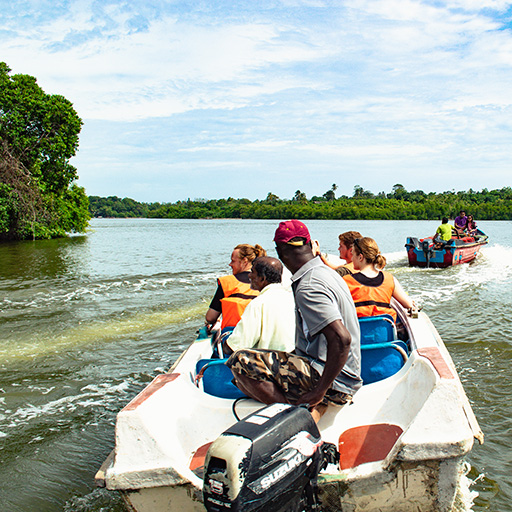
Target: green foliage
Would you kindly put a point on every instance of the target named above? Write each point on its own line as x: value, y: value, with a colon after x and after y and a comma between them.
x: 398, y: 205
x: 74, y: 208
x: 38, y: 135
x: 330, y: 194
x: 300, y: 197
x: 114, y: 206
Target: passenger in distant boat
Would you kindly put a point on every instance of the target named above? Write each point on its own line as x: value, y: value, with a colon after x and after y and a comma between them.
x: 345, y: 250
x: 471, y: 228
x: 371, y: 287
x: 443, y: 232
x: 460, y: 222
x: 234, y: 292
x: 325, y: 366
x: 268, y: 322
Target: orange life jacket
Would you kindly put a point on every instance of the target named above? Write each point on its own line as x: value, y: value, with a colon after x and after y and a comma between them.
x: 237, y: 296
x: 372, y: 300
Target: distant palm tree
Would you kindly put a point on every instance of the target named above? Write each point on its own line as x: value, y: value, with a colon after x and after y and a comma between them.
x: 300, y: 197
x: 330, y: 195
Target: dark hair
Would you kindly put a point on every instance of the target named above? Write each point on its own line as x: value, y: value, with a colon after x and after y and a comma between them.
x: 445, y: 220
x: 268, y: 268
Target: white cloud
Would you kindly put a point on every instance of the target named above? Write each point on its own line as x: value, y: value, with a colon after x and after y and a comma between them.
x: 276, y: 85
x: 172, y: 67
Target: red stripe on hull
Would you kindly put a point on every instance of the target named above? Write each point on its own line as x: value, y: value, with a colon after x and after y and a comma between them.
x: 197, y: 461
x: 367, y: 443
x: 438, y: 361
x: 158, y: 382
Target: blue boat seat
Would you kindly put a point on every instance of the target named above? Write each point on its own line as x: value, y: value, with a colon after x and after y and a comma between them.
x: 382, y: 360
x: 377, y: 329
x: 217, y: 378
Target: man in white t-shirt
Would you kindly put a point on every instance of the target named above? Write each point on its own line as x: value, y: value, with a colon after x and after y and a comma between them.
x: 268, y: 322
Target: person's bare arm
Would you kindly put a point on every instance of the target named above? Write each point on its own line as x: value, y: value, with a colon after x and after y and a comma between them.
x: 401, y: 295
x: 338, y: 347
x: 325, y: 261
x: 212, y: 316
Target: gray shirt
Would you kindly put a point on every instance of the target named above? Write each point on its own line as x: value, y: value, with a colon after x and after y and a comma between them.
x: 321, y: 297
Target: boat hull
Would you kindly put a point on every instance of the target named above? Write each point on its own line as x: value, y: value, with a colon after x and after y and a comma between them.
x: 425, y: 254
x: 402, y: 442
x: 184, y: 498
x: 430, y: 486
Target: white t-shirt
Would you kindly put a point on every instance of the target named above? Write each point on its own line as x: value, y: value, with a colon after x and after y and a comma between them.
x: 268, y: 322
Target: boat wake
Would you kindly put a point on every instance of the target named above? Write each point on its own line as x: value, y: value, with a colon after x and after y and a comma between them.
x: 97, y: 332
x: 495, y: 262
x: 433, y: 286
x: 99, y: 499
x: 50, y: 295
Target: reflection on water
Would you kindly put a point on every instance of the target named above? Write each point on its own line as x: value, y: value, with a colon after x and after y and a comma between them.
x: 88, y: 321
x: 26, y: 263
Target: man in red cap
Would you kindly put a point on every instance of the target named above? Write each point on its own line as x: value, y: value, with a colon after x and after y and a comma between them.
x: 325, y: 365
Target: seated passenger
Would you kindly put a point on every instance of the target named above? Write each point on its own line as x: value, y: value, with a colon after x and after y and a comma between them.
x: 268, y: 322
x: 371, y: 287
x: 471, y: 228
x: 345, y: 249
x: 234, y: 292
x: 460, y: 222
x: 443, y: 232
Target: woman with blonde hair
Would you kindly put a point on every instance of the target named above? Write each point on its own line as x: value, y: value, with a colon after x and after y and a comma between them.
x: 234, y: 291
x: 371, y: 287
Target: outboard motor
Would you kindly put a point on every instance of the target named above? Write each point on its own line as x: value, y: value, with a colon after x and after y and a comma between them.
x: 428, y: 251
x: 268, y: 461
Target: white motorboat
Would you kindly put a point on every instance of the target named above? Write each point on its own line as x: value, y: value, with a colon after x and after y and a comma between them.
x: 401, y: 443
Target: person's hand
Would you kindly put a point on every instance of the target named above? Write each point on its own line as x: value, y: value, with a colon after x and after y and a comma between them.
x: 315, y: 246
x: 312, y: 398
x: 414, y: 310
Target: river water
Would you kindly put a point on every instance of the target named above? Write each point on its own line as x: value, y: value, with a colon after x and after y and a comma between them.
x: 87, y: 322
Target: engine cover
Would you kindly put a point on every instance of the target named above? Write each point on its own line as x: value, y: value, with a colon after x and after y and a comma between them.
x: 268, y: 461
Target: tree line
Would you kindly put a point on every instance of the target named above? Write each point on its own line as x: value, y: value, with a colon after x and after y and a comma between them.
x: 399, y: 204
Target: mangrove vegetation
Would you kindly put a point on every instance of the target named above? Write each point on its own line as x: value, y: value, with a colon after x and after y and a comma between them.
x: 398, y: 204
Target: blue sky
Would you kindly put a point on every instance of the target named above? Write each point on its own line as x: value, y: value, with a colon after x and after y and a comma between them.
x: 211, y: 99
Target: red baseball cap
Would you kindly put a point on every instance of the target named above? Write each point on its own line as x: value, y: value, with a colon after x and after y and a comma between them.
x: 290, y: 229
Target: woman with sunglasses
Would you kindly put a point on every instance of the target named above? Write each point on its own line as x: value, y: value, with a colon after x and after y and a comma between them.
x: 371, y: 287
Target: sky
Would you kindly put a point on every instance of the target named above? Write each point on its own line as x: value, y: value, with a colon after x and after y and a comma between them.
x: 216, y: 99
